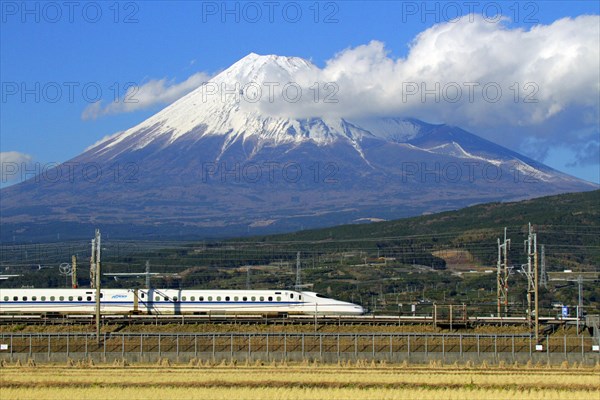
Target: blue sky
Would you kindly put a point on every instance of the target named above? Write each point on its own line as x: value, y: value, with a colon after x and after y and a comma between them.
x: 108, y: 45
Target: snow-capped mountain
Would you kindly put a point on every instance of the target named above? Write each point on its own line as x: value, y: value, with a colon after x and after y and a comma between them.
x: 221, y: 108
x: 225, y: 159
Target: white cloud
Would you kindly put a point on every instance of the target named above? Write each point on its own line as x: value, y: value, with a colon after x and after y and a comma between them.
x: 547, y: 75
x: 588, y: 154
x: 541, y: 72
x: 453, y: 73
x: 153, y: 92
x: 104, y: 139
x: 14, y: 156
x: 13, y: 166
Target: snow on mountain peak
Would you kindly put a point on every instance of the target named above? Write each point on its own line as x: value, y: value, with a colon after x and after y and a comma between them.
x: 267, y: 68
x: 231, y: 104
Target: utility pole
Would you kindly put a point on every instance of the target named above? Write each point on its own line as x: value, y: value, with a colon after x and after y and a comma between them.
x: 298, y: 272
x: 96, y: 241
x: 74, y: 272
x: 536, y: 287
x: 532, y: 281
x: 543, y: 274
x: 148, y: 277
x: 93, y: 265
x: 580, y: 279
x: 502, y: 275
x: 247, y: 277
x: 579, y: 301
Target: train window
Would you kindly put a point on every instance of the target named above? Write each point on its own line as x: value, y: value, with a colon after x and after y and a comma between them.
x: 278, y: 298
x: 61, y: 298
x: 24, y: 298
x: 15, y: 298
x: 193, y: 298
x: 201, y: 298
x: 43, y: 298
x: 101, y: 295
x: 277, y: 292
x: 183, y: 298
x: 209, y: 298
x: 321, y: 296
x: 299, y: 297
x: 157, y: 298
x: 253, y: 298
x: 270, y: 298
x: 79, y: 298
x: 218, y: 298
x: 245, y: 298
x: 292, y: 295
x: 236, y: 298
x: 89, y: 298
x: 143, y: 295
x: 5, y: 298
x: 33, y: 298
x: 70, y: 298
x: 166, y: 298
x: 175, y: 298
x: 226, y: 298
x: 262, y: 298
x: 52, y: 298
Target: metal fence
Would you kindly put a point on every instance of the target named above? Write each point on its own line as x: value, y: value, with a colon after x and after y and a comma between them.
x: 293, y: 346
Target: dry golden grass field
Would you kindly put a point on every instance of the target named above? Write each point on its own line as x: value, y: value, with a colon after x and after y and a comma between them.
x: 353, y: 381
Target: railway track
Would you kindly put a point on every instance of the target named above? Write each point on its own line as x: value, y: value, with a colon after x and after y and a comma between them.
x: 77, y: 319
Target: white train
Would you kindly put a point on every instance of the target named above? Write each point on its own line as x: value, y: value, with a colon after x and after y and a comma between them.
x: 172, y: 301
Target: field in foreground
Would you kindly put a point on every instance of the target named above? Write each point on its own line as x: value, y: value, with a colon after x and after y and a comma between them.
x: 298, y: 382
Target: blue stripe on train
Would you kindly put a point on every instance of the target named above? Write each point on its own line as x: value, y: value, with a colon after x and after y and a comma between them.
x: 151, y: 303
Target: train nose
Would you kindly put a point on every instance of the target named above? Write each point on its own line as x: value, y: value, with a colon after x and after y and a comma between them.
x: 358, y: 310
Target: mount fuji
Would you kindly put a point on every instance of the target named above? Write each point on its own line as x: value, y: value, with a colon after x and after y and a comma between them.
x: 226, y: 160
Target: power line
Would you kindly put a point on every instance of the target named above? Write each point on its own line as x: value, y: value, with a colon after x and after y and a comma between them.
x: 298, y: 272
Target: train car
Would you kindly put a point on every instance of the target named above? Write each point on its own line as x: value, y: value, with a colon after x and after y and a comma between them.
x: 171, y: 301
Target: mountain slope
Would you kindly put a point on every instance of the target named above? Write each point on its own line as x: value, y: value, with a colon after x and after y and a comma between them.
x: 215, y: 163
x: 564, y: 214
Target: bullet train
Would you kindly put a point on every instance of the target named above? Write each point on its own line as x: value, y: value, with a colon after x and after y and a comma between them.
x: 172, y: 301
